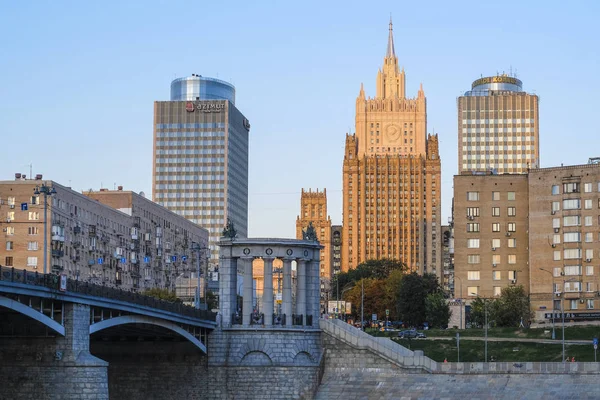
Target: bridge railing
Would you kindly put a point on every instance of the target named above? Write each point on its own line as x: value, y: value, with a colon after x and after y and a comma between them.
x: 52, y: 281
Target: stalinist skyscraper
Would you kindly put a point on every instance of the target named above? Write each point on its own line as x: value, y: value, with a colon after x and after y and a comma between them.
x: 392, y: 177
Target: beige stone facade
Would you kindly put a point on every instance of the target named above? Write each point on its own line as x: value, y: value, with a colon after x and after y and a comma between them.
x: 554, y: 245
x: 564, y: 239
x: 122, y: 244
x: 490, y: 234
x: 313, y: 208
x: 391, y: 179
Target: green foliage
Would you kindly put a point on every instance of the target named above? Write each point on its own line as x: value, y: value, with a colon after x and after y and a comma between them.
x: 372, y: 269
x: 437, y: 310
x: 478, y: 311
x: 212, y: 300
x: 162, y: 294
x: 413, y: 291
x: 508, y: 310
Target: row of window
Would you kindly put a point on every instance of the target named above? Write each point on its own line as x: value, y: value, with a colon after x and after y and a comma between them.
x: 32, y: 216
x: 496, y: 275
x: 473, y: 227
x: 474, y: 211
x: 574, y: 187
x: 573, y: 204
x: 31, y: 261
x: 10, y: 245
x: 474, y: 196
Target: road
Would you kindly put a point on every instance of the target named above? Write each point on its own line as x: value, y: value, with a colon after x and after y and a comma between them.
x: 497, y: 339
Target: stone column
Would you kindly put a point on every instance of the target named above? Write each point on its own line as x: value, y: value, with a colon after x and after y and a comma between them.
x: 301, y: 289
x: 267, y: 298
x: 248, y: 290
x: 227, y: 289
x: 287, y: 290
x: 314, y: 297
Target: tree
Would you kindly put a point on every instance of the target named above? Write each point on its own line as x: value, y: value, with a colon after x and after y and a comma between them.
x: 512, y: 307
x: 477, y: 315
x: 371, y: 269
x: 437, y: 310
x: 162, y: 294
x: 412, y: 292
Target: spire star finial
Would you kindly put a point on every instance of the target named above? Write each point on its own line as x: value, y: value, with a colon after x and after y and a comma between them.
x: 390, y: 47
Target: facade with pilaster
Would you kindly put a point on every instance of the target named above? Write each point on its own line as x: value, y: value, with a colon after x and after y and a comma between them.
x: 392, y: 178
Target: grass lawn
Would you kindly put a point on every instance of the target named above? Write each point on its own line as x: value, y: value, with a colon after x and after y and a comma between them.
x: 473, y: 350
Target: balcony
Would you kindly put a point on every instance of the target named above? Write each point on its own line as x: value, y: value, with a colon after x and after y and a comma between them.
x: 57, y: 253
x: 57, y: 237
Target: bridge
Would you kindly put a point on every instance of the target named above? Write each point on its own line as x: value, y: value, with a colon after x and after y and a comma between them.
x: 51, y: 324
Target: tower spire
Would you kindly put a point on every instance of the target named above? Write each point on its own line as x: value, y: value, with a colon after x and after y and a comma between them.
x: 390, y: 47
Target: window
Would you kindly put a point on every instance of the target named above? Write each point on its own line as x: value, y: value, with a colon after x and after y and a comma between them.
x: 32, y: 245
x: 572, y: 187
x: 587, y: 187
x: 473, y: 290
x: 472, y: 243
x: 34, y: 215
x: 573, y: 287
x: 473, y: 227
x: 495, y: 211
x: 555, y: 206
x: 556, y: 255
x: 571, y: 254
x: 572, y: 269
x: 573, y: 304
x: 512, y: 275
x: 587, y: 204
x: 511, y: 211
x: 589, y: 237
x: 589, y: 287
x: 9, y: 245
x: 497, y: 290
x: 8, y: 261
x: 32, y: 262
x: 556, y: 222
x: 496, y: 259
x: 556, y: 304
x: 496, y: 196
x: 10, y: 215
x: 510, y: 196
x: 571, y: 204
x: 512, y: 227
x: 32, y: 230
x: 589, y: 270
x: 572, y: 237
x: 589, y: 304
x: 496, y: 275
x: 10, y: 230
x: 589, y: 254
x: 11, y: 201
x: 512, y: 258
x: 512, y: 243
x: 473, y: 259
x: 472, y: 211
x: 572, y: 220
x: 472, y: 196
x: 496, y: 227
x: 496, y: 243
x: 588, y: 220
x: 555, y: 189
x: 556, y: 239
x: 473, y: 275
x: 557, y: 271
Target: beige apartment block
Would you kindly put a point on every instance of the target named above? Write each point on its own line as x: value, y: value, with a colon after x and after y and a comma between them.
x: 122, y: 245
x: 564, y: 240
x: 490, y: 234
x: 313, y: 208
x: 498, y: 127
x: 391, y: 179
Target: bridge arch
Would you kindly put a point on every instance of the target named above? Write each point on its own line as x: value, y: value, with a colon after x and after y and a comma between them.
x: 142, y: 319
x: 32, y: 313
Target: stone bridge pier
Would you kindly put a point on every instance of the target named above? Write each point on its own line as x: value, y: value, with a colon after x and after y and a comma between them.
x: 59, y: 367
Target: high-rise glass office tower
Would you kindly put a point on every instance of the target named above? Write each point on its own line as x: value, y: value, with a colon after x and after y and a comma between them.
x: 498, y: 127
x: 200, y: 164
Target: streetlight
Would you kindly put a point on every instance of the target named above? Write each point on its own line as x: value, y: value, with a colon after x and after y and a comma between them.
x: 485, y: 307
x: 199, y: 249
x: 553, y: 332
x: 46, y: 191
x: 562, y: 311
x: 460, y: 298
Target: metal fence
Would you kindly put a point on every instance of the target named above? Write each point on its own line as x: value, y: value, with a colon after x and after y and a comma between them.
x: 52, y: 281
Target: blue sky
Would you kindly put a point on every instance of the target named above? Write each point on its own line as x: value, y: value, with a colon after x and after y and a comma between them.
x: 78, y: 80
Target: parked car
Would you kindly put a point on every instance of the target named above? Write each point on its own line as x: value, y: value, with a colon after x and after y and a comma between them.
x: 411, y: 334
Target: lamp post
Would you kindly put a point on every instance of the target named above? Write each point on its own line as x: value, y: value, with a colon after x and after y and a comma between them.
x: 562, y: 311
x: 196, y: 247
x: 485, y: 307
x: 46, y: 191
x: 553, y: 331
x: 461, y: 305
